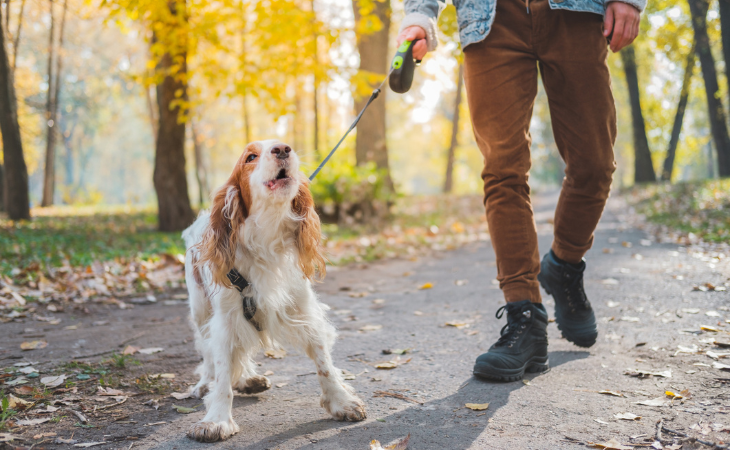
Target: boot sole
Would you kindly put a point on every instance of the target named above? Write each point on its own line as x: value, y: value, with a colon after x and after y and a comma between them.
x: 580, y: 342
x: 535, y: 364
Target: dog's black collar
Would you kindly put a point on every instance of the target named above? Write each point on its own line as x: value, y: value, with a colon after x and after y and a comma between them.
x: 249, y: 304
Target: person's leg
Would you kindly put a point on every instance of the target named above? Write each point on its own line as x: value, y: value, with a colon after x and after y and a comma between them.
x: 572, y: 52
x: 578, y: 85
x: 501, y: 84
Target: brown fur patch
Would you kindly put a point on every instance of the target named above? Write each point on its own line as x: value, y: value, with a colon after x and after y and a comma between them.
x: 309, y: 235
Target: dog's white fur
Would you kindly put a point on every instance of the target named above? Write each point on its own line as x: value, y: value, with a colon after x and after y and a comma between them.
x: 267, y: 255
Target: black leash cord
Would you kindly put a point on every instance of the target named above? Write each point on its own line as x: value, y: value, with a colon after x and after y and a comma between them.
x: 373, y: 96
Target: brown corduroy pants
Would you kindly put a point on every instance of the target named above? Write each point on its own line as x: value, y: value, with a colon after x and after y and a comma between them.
x: 501, y: 82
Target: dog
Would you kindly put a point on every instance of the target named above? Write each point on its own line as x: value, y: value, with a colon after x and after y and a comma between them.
x: 262, y: 223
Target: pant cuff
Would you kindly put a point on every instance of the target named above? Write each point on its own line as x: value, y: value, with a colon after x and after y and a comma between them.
x: 521, y: 292
x: 571, y: 256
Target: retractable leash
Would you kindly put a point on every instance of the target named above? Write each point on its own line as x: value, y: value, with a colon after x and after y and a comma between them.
x: 400, y: 79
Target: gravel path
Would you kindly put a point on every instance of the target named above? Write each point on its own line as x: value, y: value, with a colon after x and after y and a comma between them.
x: 646, y: 307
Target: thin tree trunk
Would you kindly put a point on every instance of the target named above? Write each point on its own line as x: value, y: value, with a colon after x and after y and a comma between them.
x: 679, y: 117
x: 152, y: 112
x: 7, y: 17
x: 50, y: 188
x: 370, y: 142
x: 170, y: 179
x: 15, y: 190
x: 201, y: 175
x: 298, y: 119
x: 725, y: 33
x: 2, y: 188
x: 449, y: 180
x: 643, y: 166
x: 315, y: 81
x: 47, y: 199
x: 715, y: 111
x: 244, y: 100
x: 16, y: 42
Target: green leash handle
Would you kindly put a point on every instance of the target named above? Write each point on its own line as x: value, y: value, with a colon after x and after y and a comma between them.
x: 402, y: 68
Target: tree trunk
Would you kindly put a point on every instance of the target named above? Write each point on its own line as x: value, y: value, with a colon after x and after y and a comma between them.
x: 679, y: 117
x: 48, y: 171
x: 725, y: 33
x: 315, y: 81
x: 15, y: 189
x: 201, y: 175
x: 16, y: 41
x: 2, y: 188
x: 152, y: 112
x: 370, y: 142
x: 643, y: 166
x: 715, y: 111
x: 449, y: 181
x: 170, y: 180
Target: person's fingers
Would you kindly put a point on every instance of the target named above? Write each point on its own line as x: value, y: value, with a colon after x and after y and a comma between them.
x: 420, y: 49
x: 617, y: 38
x: 608, y: 22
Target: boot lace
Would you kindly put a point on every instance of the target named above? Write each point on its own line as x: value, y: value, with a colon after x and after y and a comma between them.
x: 516, y: 324
x: 574, y: 292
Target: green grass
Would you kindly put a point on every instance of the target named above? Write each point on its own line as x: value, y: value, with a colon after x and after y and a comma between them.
x: 700, y: 208
x: 79, y: 237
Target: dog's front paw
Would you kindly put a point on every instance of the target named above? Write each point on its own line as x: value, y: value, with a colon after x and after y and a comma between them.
x: 346, y: 407
x: 253, y: 385
x: 213, y: 431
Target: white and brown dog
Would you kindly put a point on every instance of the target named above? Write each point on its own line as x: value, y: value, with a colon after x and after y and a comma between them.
x: 262, y: 223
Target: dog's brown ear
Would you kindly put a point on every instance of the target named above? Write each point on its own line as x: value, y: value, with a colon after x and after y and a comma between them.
x: 308, y: 234
x: 218, y: 246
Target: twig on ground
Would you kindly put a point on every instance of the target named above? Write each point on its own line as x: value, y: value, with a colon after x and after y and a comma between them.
x: 93, y: 354
x: 395, y: 395
x: 659, y: 425
x: 81, y: 417
x: 694, y: 439
x: 133, y: 338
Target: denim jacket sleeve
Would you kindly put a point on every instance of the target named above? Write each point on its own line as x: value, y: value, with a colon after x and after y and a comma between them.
x: 425, y: 14
x: 638, y: 4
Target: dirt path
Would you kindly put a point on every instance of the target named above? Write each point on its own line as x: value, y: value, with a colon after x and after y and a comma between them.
x: 643, y: 296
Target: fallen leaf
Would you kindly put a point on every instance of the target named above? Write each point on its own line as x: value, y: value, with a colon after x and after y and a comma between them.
x: 398, y: 444
x: 359, y: 294
x: 281, y: 385
x: 690, y: 310
x: 33, y: 345
x: 31, y: 422
x: 130, y: 350
x: 371, y: 328
x: 601, y: 421
x: 614, y: 393
x: 461, y: 282
x: 166, y: 376
x: 7, y: 437
x: 183, y: 409
x: 396, y: 351
x: 626, y: 244
x: 610, y: 281
x: 17, y: 381
x: 53, y: 381
x: 610, y: 445
x: 673, y: 395
x: 457, y: 324
x: 149, y: 351
x: 709, y: 328
x: 626, y: 416
x: 647, y: 373
x: 17, y: 404
x: 89, y: 444
x: 27, y: 370
x: 721, y: 366
x: 526, y: 382
x: 657, y: 402
x: 417, y: 313
x: 712, y: 314
x: 24, y: 390
x: 386, y: 365
x: 612, y: 304
x: 426, y: 286
x: 630, y: 319
x: 275, y: 353
x: 108, y: 391
x: 181, y: 395
x: 477, y: 406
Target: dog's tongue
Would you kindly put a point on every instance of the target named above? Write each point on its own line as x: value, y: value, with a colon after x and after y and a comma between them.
x: 271, y: 184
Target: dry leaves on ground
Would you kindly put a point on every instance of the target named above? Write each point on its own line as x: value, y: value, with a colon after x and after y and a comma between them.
x: 612, y: 444
x: 626, y: 416
x: 477, y: 406
x: 648, y: 373
x: 398, y: 444
x: 392, y: 364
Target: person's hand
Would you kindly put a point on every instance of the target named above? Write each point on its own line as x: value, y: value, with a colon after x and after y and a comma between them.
x: 412, y: 33
x: 621, y: 23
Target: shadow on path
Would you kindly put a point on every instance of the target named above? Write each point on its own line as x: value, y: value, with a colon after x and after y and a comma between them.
x: 438, y: 424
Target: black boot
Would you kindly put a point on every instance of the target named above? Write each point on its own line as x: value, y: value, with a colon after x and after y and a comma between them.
x: 573, y: 312
x: 521, y: 347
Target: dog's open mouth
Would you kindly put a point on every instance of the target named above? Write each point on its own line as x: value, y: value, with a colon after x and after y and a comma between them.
x: 282, y: 179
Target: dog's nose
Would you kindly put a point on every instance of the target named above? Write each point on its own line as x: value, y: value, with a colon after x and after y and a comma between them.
x: 281, y: 151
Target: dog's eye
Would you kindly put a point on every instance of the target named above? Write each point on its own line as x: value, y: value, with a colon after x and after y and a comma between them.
x: 251, y: 157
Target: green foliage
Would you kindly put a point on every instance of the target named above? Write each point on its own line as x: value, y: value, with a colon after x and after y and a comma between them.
x: 345, y: 193
x: 701, y: 208
x: 120, y: 361
x: 83, y: 239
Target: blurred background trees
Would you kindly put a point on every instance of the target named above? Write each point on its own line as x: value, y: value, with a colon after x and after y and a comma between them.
x: 151, y: 101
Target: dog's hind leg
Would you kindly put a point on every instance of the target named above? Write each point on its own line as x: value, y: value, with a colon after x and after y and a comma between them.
x: 250, y: 382
x: 206, y: 369
x: 200, y: 314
